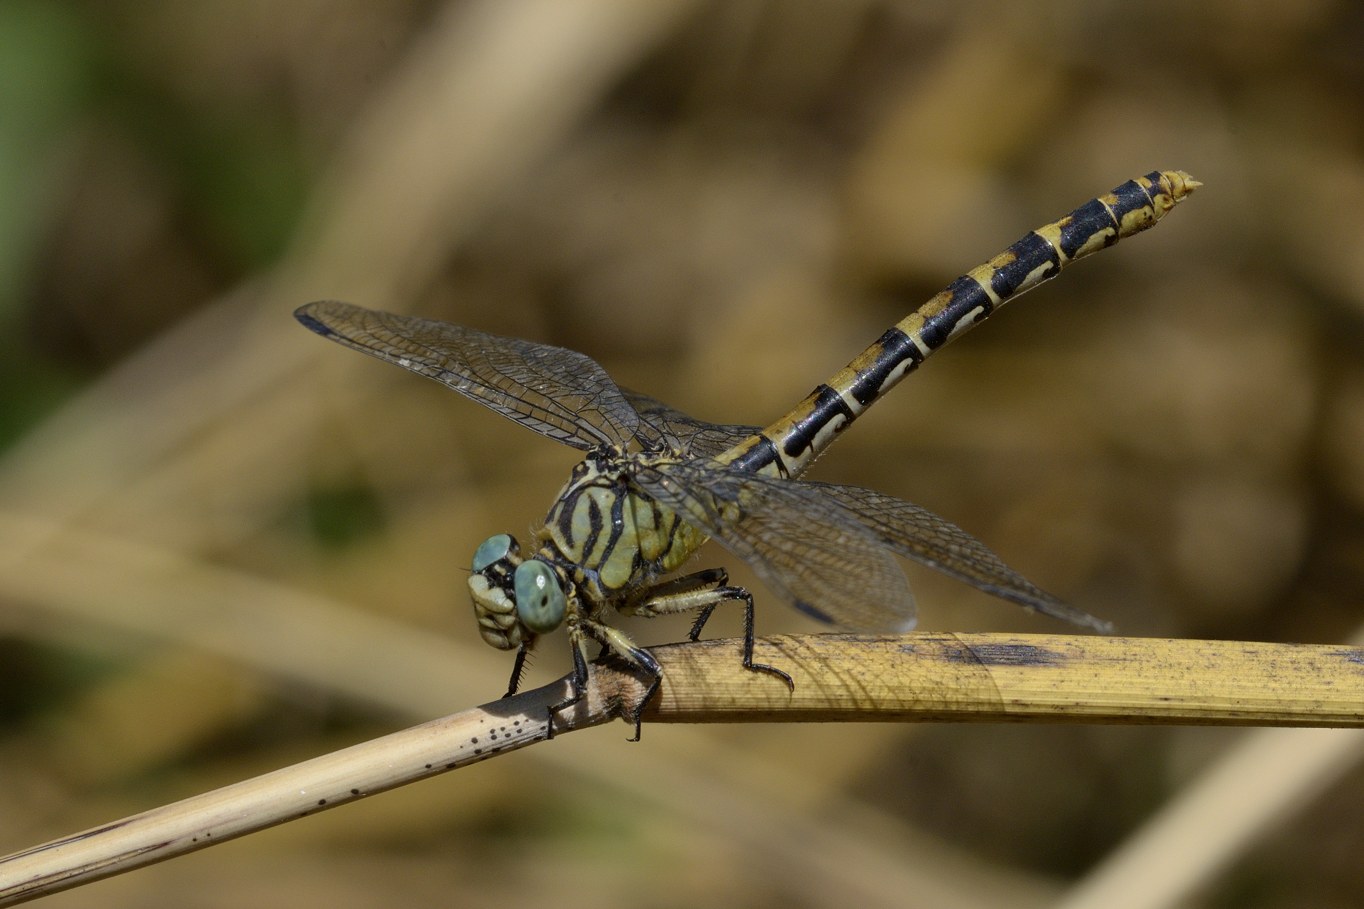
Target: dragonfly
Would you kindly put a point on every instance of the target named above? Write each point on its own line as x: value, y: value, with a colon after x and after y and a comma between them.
x: 654, y: 483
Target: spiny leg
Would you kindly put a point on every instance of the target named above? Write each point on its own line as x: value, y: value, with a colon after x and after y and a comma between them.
x: 728, y: 592
x: 519, y: 667
x: 577, y: 685
x: 615, y: 642
x: 703, y: 591
x: 649, y: 665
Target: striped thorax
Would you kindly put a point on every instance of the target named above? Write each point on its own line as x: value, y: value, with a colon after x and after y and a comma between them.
x: 602, y: 542
x: 612, y: 540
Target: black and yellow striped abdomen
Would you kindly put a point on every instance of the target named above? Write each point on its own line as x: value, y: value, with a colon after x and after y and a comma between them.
x: 788, y: 446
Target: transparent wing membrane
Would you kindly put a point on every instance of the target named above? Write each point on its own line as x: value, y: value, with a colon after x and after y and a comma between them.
x: 685, y: 434
x: 917, y: 533
x: 557, y: 392
x: 807, y: 547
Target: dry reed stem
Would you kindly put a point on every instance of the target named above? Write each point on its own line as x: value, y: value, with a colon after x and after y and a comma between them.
x: 925, y: 676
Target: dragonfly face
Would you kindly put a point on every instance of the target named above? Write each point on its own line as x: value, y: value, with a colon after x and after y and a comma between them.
x: 514, y: 598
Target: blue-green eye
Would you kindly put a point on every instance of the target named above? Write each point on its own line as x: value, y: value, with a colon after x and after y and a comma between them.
x: 539, y: 601
x: 494, y: 549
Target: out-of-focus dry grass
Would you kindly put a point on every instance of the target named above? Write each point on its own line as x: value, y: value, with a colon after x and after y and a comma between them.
x: 228, y: 545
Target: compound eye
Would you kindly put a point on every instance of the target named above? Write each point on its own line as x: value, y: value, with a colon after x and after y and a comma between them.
x: 493, y: 550
x: 539, y: 601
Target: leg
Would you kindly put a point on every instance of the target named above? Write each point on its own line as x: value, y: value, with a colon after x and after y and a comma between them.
x: 703, y: 591
x: 739, y: 593
x: 519, y: 667
x: 615, y: 642
x: 578, y: 683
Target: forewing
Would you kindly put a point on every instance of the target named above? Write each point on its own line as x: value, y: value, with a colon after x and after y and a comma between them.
x: 557, y: 392
x: 919, y: 534
x: 805, y: 546
x: 684, y: 433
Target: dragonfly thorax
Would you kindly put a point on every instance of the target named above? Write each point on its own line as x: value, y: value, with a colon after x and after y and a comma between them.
x: 615, y: 540
x: 514, y: 598
x: 601, y: 545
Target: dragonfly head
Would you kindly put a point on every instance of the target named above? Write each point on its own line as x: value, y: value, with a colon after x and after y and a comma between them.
x: 514, y: 598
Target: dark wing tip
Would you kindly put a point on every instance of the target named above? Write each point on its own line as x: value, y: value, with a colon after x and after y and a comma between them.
x: 314, y: 316
x: 311, y: 323
x: 813, y: 611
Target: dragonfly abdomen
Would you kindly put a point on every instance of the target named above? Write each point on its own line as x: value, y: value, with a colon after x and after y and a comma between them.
x: 791, y: 444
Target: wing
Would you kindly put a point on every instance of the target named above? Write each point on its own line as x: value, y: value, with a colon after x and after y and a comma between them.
x: 556, y: 392
x: 687, y: 434
x: 807, y: 547
x: 919, y: 534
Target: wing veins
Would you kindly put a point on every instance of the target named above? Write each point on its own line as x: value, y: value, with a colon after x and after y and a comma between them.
x: 557, y: 392
x: 809, y: 549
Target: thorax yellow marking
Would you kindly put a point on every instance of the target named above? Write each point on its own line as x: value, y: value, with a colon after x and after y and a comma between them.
x: 614, y: 540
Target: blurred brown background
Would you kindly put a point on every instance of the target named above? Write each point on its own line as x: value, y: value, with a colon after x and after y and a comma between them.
x: 228, y: 545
